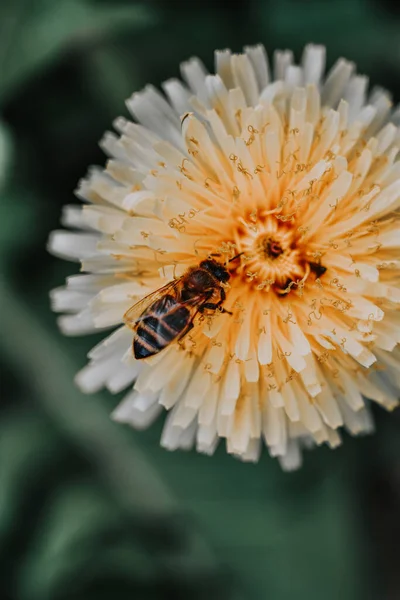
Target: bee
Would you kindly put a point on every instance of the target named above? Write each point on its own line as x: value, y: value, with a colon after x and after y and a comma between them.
x: 167, y: 315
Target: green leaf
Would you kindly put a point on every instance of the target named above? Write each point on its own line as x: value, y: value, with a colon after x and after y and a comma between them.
x: 6, y: 154
x: 32, y: 34
x: 28, y: 448
x: 82, y: 538
x: 17, y: 218
x: 359, y: 30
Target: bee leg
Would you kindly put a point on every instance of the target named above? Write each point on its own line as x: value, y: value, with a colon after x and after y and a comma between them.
x: 208, y: 305
x: 213, y: 306
x: 216, y: 305
x: 222, y: 298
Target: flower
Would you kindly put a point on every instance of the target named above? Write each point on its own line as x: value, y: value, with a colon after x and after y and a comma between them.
x: 297, y: 174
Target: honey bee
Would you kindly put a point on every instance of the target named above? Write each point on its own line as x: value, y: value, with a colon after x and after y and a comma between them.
x: 167, y: 314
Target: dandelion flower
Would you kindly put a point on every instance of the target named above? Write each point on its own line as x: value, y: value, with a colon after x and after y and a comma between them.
x: 296, y: 172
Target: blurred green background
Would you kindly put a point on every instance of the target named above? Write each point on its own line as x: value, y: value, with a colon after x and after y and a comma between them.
x: 92, y: 509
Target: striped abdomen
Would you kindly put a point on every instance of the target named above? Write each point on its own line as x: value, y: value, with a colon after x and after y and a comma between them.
x: 163, y: 322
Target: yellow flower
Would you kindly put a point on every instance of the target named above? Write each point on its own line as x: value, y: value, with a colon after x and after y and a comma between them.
x: 297, y: 173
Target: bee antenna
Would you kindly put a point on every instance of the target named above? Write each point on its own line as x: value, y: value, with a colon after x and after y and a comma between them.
x: 235, y: 257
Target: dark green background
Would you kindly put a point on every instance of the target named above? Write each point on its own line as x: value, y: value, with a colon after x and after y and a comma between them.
x: 89, y: 508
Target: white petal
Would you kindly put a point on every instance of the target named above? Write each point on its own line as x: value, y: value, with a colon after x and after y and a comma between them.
x: 259, y: 60
x: 292, y: 459
x: 282, y: 60
x: 178, y: 95
x: 154, y: 112
x: 138, y: 410
x: 313, y: 63
x: 194, y: 73
x: 336, y: 82
x: 72, y: 246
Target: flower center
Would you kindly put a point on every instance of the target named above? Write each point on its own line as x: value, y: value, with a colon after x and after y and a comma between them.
x: 274, y: 256
x: 268, y: 247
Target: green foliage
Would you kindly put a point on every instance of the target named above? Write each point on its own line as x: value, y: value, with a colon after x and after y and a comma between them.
x: 92, y: 509
x: 34, y: 34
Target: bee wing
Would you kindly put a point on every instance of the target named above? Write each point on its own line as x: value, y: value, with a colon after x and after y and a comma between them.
x: 133, y: 314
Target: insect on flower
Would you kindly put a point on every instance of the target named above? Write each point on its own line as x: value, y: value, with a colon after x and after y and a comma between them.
x: 168, y: 314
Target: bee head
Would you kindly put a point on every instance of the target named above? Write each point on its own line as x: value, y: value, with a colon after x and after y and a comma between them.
x: 216, y: 269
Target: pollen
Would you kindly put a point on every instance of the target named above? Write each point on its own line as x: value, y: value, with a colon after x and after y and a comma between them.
x: 274, y: 253
x: 268, y: 248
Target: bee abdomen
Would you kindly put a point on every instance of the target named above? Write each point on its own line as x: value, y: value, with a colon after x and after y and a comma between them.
x: 176, y: 320
x: 154, y: 333
x: 145, y: 343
